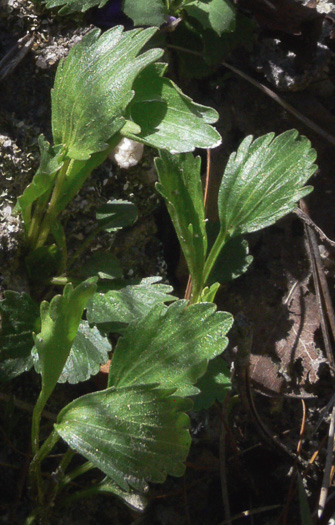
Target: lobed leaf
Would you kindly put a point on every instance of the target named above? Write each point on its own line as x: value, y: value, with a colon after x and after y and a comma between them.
x: 116, y: 214
x: 93, y: 87
x: 168, y: 119
x: 59, y: 324
x: 151, y: 13
x: 170, y: 346
x: 218, y: 15
x: 263, y: 181
x: 180, y: 185
x: 233, y: 261
x: 89, y: 350
x: 214, y: 385
x: 73, y: 6
x: 19, y: 318
x: 117, y: 308
x: 102, y: 264
x: 134, y: 434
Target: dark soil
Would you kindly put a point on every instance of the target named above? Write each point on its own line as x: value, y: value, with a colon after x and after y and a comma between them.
x: 234, y: 465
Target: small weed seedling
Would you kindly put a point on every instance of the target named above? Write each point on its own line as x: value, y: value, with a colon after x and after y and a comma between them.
x: 136, y: 430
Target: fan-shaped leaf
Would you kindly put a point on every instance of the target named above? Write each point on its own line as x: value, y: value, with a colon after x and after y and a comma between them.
x: 93, y: 87
x: 73, y: 6
x: 213, y: 385
x: 170, y: 346
x: 134, y: 435
x: 116, y: 214
x: 264, y: 180
x: 151, y: 13
x: 180, y: 185
x: 59, y: 324
x: 89, y: 350
x: 115, y: 309
x: 218, y: 15
x: 169, y: 119
x: 19, y: 318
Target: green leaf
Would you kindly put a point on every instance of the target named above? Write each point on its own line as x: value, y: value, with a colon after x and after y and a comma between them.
x: 116, y: 214
x: 43, y: 181
x: 180, y: 185
x: 218, y: 15
x: 152, y: 13
x: 89, y: 350
x: 134, y: 435
x: 132, y: 499
x: 233, y: 261
x: 73, y: 6
x: 102, y: 264
x: 93, y: 87
x: 217, y: 48
x: 117, y: 308
x: 208, y: 294
x: 170, y: 346
x: 19, y: 318
x: 170, y: 120
x: 214, y: 385
x: 43, y: 263
x: 59, y: 324
x: 263, y: 181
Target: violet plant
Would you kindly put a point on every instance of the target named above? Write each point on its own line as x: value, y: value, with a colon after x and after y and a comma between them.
x: 136, y: 430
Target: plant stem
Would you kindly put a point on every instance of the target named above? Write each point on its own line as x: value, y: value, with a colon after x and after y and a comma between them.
x: 51, y: 214
x: 35, y: 466
x: 213, y: 255
x: 82, y: 469
x: 59, y: 475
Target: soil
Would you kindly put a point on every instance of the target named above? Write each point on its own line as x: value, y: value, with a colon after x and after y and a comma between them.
x: 240, y: 460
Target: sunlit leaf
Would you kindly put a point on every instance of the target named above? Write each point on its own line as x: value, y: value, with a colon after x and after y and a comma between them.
x: 88, y: 352
x: 169, y: 119
x: 263, y: 181
x: 93, y: 87
x: 115, y: 309
x: 59, y: 324
x: 19, y: 318
x: 73, y: 6
x: 180, y: 185
x: 134, y: 435
x: 170, y: 346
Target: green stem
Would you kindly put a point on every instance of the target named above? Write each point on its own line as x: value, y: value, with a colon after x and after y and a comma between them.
x: 51, y: 214
x: 82, y: 469
x: 35, y: 474
x: 35, y: 427
x: 80, y: 494
x: 213, y: 255
x: 59, y: 475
